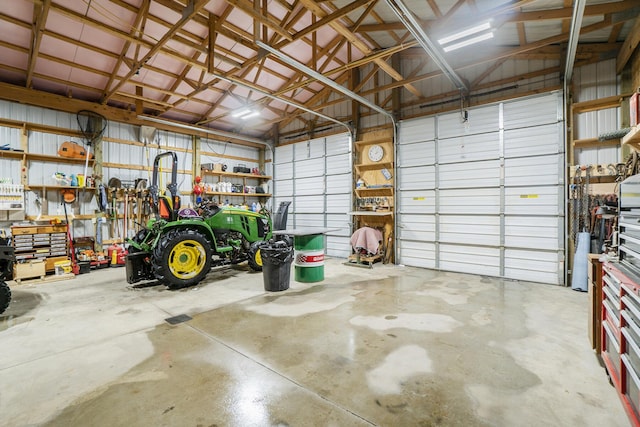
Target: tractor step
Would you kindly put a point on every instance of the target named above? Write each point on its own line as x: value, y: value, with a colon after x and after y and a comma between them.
x: 223, y: 249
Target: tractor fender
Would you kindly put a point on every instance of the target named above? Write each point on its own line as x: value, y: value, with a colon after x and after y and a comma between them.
x: 192, y: 224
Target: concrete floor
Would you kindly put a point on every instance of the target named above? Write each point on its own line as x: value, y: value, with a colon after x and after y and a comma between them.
x: 393, y: 346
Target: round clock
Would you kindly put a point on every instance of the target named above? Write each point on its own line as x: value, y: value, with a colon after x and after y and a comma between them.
x: 375, y: 153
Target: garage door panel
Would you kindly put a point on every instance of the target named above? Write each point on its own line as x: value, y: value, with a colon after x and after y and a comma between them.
x: 532, y: 201
x: 534, y: 141
x: 337, y: 246
x: 472, y: 174
x: 470, y: 259
x: 416, y: 130
x: 309, y: 150
x: 481, y: 120
x: 535, y: 266
x: 418, y: 154
x: 309, y: 168
x: 417, y: 227
x: 284, y: 171
x: 478, y: 201
x: 477, y: 230
x: 338, y: 144
x: 340, y: 221
x: 309, y: 204
x: 309, y: 186
x: 417, y: 178
x: 418, y: 254
x: 532, y: 232
x: 337, y: 184
x: 284, y: 154
x: 538, y: 170
x: 469, y: 148
x: 338, y: 203
x: 309, y: 220
x: 532, y: 111
x: 284, y: 188
x: 420, y: 202
x: 336, y: 165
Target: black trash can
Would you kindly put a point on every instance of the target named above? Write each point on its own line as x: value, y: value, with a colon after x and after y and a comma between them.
x: 276, y: 265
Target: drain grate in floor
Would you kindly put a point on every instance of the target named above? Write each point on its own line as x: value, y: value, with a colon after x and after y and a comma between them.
x: 178, y: 319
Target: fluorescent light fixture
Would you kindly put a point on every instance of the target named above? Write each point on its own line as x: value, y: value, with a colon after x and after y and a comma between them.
x: 249, y: 115
x: 467, y: 42
x: 465, y: 33
x: 241, y: 112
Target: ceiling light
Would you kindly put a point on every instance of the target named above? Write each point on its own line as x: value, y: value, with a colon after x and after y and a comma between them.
x: 249, y: 115
x: 467, y: 42
x: 465, y: 33
x: 241, y: 112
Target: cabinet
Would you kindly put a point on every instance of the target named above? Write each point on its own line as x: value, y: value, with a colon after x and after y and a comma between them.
x: 49, y: 243
x: 621, y: 334
x: 374, y: 192
x: 242, y: 185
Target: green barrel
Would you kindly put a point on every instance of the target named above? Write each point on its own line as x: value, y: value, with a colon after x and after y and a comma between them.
x: 309, y: 264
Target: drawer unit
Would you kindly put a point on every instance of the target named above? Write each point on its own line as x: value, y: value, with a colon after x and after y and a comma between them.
x: 621, y: 333
x: 40, y: 243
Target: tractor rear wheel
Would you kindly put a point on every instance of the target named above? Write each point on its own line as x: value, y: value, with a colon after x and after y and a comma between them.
x: 181, y: 258
x: 5, y: 296
x: 255, y: 257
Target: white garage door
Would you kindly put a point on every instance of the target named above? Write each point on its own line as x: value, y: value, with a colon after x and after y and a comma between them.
x: 485, y: 196
x: 316, y: 177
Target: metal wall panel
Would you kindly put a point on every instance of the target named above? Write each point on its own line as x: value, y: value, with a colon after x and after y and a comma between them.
x: 532, y: 232
x: 10, y: 137
x: 468, y: 148
x: 335, y: 246
x: 284, y: 154
x: 338, y: 203
x: 308, y: 220
x: 312, y: 149
x: 418, y: 253
x: 338, y: 144
x: 309, y: 186
x: 342, y: 221
x: 416, y: 202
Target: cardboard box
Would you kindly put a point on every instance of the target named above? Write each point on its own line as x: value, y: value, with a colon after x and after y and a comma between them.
x: 26, y: 270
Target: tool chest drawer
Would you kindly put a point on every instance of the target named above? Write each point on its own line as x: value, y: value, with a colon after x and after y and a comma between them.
x: 39, y: 243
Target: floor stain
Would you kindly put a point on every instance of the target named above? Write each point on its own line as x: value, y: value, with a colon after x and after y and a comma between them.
x: 22, y: 303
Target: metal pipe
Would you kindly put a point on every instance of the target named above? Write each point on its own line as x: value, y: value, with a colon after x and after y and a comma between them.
x: 409, y: 21
x: 574, y: 35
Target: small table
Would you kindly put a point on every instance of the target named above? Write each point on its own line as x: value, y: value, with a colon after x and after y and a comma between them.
x: 308, y: 243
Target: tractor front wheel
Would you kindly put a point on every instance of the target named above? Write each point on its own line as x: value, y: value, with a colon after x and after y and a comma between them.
x: 5, y: 296
x: 255, y: 257
x: 181, y: 258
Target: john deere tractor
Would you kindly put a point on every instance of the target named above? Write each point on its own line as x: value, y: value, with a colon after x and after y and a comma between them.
x: 178, y: 247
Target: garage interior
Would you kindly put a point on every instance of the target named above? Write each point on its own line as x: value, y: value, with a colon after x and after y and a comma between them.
x: 468, y: 168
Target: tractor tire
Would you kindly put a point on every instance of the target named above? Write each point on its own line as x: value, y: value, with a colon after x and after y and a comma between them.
x: 5, y: 296
x: 181, y: 258
x: 255, y: 258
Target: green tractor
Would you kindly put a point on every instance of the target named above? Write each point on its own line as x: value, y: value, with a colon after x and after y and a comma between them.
x: 178, y: 247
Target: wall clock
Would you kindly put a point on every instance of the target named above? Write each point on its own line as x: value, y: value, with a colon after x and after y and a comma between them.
x: 375, y: 153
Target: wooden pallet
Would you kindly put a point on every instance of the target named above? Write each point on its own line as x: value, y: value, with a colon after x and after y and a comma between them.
x: 44, y: 279
x: 363, y: 261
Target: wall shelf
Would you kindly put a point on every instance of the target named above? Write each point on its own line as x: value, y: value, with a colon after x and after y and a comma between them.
x: 633, y: 138
x: 219, y: 193
x: 55, y: 159
x: 235, y: 174
x: 371, y: 213
x: 373, y: 166
x: 378, y: 191
x: 32, y: 187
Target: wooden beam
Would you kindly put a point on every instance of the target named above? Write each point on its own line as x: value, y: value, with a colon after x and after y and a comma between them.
x: 247, y: 7
x: 598, y: 104
x: 629, y: 46
x: 41, y: 12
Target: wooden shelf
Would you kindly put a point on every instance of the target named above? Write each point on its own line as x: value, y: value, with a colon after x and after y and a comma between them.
x: 219, y: 193
x: 373, y: 166
x: 11, y: 154
x: 633, y: 138
x: 378, y: 191
x: 32, y: 187
x: 60, y: 217
x: 56, y: 159
x: 235, y: 174
x: 371, y: 213
x: 372, y: 142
